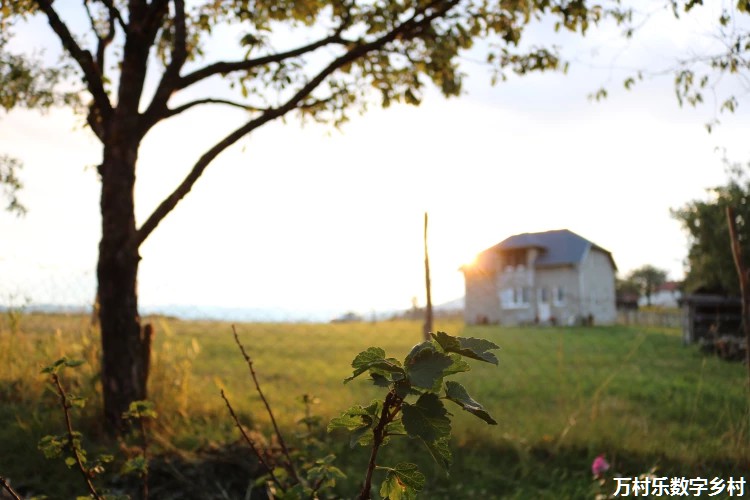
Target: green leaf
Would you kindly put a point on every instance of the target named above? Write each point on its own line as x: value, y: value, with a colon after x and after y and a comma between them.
x: 402, y: 482
x: 72, y: 363
x: 140, y: 409
x: 136, y: 465
x: 54, y: 367
x: 425, y: 365
x: 458, y: 394
x: 374, y: 359
x: 426, y: 419
x: 459, y: 365
x: 467, y: 346
x: 441, y: 452
x: 395, y: 428
x: 358, y: 420
x: 70, y: 462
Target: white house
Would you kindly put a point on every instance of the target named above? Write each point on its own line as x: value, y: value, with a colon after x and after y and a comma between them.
x: 555, y: 277
x: 667, y: 294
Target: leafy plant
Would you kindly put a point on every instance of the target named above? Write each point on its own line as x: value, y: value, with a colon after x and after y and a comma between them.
x: 69, y: 443
x: 413, y: 405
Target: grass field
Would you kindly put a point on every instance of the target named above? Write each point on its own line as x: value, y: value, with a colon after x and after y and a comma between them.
x: 561, y: 397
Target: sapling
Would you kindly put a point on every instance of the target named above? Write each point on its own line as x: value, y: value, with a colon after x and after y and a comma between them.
x: 413, y: 405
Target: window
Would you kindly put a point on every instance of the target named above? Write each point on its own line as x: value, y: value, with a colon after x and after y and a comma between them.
x: 544, y: 295
x: 558, y: 295
x: 512, y: 298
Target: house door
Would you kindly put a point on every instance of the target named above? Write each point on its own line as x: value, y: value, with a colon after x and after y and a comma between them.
x: 544, y: 312
x: 543, y: 307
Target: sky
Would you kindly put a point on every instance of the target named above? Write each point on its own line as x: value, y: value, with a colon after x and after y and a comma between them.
x: 313, y: 221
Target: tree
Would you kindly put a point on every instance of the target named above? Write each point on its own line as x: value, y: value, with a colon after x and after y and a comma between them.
x: 647, y: 278
x: 626, y: 286
x: 348, y: 49
x: 710, y: 262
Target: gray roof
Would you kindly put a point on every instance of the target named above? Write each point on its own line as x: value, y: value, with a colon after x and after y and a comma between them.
x: 560, y: 247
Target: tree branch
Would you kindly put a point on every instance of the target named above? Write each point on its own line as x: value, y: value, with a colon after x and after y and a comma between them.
x: 6, y: 486
x: 407, y: 29
x: 169, y: 82
x: 222, y: 68
x: 115, y: 13
x: 85, y: 61
x: 191, y: 104
x: 102, y: 40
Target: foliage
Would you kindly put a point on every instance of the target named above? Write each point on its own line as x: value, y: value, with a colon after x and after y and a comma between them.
x: 647, y: 278
x: 69, y: 443
x: 420, y: 377
x: 626, y: 286
x: 700, y: 74
x: 710, y: 262
x: 10, y: 183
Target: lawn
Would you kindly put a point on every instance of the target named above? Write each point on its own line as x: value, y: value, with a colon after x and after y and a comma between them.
x: 561, y: 396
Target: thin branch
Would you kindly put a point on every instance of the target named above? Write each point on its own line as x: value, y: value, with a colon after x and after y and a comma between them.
x: 223, y: 68
x: 170, y: 80
x: 378, y: 435
x: 280, y: 437
x: 115, y: 13
x: 84, y: 58
x: 407, y: 29
x: 102, y: 40
x: 6, y: 486
x: 186, y: 106
x: 250, y: 442
x: 71, y: 439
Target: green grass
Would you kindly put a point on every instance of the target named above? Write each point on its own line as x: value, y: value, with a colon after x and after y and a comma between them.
x: 561, y: 397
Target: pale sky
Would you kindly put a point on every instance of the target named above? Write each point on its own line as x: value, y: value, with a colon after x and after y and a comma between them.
x: 313, y: 219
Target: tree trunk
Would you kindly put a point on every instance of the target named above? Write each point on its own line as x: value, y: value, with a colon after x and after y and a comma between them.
x: 125, y: 348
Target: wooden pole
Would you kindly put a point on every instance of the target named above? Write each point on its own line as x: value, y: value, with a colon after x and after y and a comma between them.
x: 744, y: 285
x: 428, y: 308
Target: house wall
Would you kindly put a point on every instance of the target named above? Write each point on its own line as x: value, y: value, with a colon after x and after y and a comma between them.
x: 482, y: 304
x: 598, y: 288
x: 567, y: 278
x: 518, y: 277
x: 587, y: 289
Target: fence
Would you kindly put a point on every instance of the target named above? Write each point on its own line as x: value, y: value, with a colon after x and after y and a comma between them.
x: 671, y: 319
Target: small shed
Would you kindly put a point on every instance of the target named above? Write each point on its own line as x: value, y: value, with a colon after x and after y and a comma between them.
x: 708, y: 316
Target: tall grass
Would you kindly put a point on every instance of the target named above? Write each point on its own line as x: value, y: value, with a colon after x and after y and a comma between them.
x: 560, y: 395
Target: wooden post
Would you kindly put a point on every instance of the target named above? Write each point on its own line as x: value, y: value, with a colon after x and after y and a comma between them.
x: 428, y: 308
x: 744, y: 284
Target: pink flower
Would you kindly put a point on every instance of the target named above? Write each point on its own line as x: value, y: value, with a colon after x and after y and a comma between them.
x: 599, y: 467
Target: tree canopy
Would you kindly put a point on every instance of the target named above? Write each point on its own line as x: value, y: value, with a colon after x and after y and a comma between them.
x: 647, y: 279
x: 710, y: 263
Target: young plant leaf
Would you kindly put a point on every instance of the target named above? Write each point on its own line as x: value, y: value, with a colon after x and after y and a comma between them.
x: 459, y: 365
x: 374, y: 359
x: 358, y: 420
x: 467, y: 346
x: 441, y: 452
x: 425, y: 366
x: 458, y: 394
x: 426, y: 419
x: 402, y: 482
